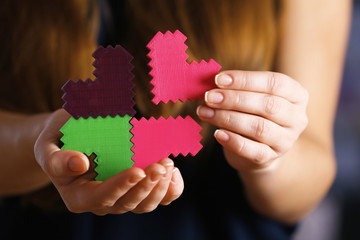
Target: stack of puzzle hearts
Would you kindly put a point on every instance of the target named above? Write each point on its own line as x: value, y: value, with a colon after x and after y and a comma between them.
x: 102, y: 122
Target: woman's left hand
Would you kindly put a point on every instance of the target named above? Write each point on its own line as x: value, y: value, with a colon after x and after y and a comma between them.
x: 260, y: 116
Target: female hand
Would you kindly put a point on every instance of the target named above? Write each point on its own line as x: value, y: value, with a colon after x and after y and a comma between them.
x: 260, y: 116
x: 133, y: 189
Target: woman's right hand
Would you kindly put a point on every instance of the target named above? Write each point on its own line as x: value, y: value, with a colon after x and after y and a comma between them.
x: 133, y: 189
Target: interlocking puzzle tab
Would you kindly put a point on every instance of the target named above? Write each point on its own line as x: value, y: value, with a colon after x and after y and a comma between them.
x: 173, y: 78
x: 102, y: 125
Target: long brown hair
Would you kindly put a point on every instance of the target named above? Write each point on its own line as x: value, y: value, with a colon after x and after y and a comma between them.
x: 43, y: 44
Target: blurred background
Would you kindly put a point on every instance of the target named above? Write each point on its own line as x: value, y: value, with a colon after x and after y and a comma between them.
x: 338, y: 216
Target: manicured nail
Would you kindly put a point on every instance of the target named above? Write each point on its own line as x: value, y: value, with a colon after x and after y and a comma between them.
x: 221, y: 135
x: 223, y: 80
x: 157, y: 175
x: 205, y: 112
x: 176, y: 176
x: 76, y: 165
x: 213, y: 97
x: 137, y: 178
x: 168, y: 163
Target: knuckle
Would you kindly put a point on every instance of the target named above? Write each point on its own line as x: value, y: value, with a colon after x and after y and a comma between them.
x: 227, y: 119
x: 273, y: 82
x: 239, y: 99
x: 261, y: 128
x: 243, y: 79
x: 272, y: 104
x: 241, y: 146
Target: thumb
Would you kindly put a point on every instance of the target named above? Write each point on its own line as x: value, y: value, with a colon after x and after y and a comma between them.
x: 66, y: 163
x: 56, y: 162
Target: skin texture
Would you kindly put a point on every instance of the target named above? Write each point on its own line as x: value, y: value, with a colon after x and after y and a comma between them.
x: 276, y: 130
x: 19, y: 171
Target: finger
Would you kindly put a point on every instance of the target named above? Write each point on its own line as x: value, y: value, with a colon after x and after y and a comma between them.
x: 254, y: 127
x: 137, y: 194
x: 256, y: 155
x: 157, y: 194
x: 175, y: 189
x: 271, y: 107
x: 265, y: 82
x: 99, y: 197
x: 63, y: 163
x: 46, y: 147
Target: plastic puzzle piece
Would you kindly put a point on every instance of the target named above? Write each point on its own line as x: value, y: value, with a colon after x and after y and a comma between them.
x: 106, y: 138
x: 173, y: 78
x: 156, y: 139
x: 110, y: 93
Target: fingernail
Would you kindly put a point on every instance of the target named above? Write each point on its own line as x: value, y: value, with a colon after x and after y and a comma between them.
x: 176, y: 176
x: 221, y: 135
x: 213, y: 97
x: 223, y: 80
x: 137, y: 178
x: 76, y: 164
x: 168, y: 163
x: 157, y: 175
x: 205, y: 112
